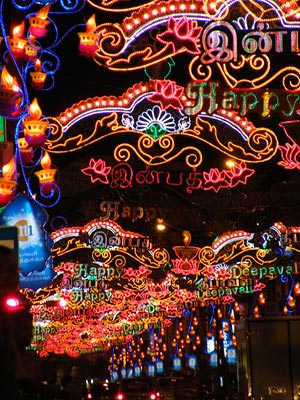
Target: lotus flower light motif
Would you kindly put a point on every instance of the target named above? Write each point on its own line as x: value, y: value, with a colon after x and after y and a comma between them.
x: 215, y: 179
x: 290, y: 154
x: 97, y: 170
x: 168, y: 94
x: 182, y: 35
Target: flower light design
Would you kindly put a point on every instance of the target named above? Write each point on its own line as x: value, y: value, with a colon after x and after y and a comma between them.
x: 168, y: 94
x: 182, y: 35
x: 156, y: 122
x: 97, y: 170
x: 187, y: 262
x: 103, y: 324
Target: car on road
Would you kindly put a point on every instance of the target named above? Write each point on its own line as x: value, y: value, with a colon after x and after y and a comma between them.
x: 102, y: 390
x: 166, y: 386
x: 137, y: 389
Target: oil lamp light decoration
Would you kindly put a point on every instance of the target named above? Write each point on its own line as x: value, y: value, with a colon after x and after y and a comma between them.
x: 46, y: 176
x: 35, y: 129
x: 31, y: 49
x: 26, y: 151
x: 8, y: 182
x: 88, y: 40
x: 38, y: 77
x: 17, y: 41
x: 186, y: 263
x: 10, y: 95
x: 39, y: 22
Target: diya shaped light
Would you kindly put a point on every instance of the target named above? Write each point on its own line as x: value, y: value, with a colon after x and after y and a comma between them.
x: 26, y: 152
x: 8, y: 182
x: 88, y: 40
x: 186, y: 263
x: 31, y: 49
x: 38, y: 77
x: 46, y: 175
x: 10, y: 94
x: 17, y: 41
x: 35, y: 130
x: 39, y: 22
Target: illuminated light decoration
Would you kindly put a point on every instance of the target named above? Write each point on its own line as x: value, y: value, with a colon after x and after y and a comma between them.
x: 279, y: 227
x: 123, y: 176
x: 98, y: 171
x: 154, y: 136
x: 116, y: 5
x: 10, y: 95
x: 17, y: 41
x: 88, y: 41
x: 261, y: 299
x: 158, y: 129
x: 62, y: 302
x: 160, y: 225
x: 256, y: 313
x: 8, y: 183
x: 230, y: 237
x: 46, y: 175
x: 121, y: 54
x: 237, y: 103
x: 26, y: 152
x: 259, y: 286
x: 218, y: 291
x: 186, y: 263
x: 182, y: 35
x: 290, y: 154
x: 168, y: 94
x: 31, y: 49
x: 35, y: 129
x: 38, y: 77
x: 216, y: 179
x: 38, y: 23
x: 118, y: 51
x: 158, y: 290
x: 265, y: 11
x: 91, y: 227
x: 97, y: 105
x: 297, y: 289
x: 185, y: 266
x: 222, y: 272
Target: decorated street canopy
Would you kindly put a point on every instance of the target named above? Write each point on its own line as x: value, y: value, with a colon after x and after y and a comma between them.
x: 187, y: 104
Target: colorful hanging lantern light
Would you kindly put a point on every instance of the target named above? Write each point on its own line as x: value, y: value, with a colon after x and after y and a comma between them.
x: 38, y: 77
x: 39, y: 22
x: 17, y: 41
x: 10, y: 94
x: 31, y: 49
x: 88, y: 40
x: 26, y: 152
x: 34, y: 128
x: 46, y: 175
x: 8, y: 183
